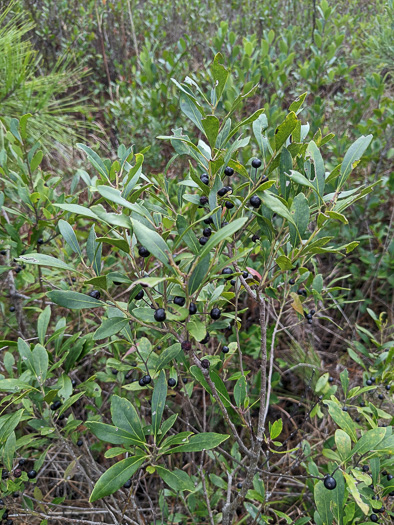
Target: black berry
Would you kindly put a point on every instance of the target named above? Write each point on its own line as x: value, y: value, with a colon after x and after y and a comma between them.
x: 256, y: 163
x: 227, y: 271
x: 21, y: 462
x: 365, y: 468
x: 205, y: 363
x: 95, y: 294
x: 255, y: 238
x: 330, y: 483
x: 381, y: 396
x: 3, y: 252
x: 229, y: 205
x: 357, y: 420
x: 185, y: 380
x: 206, y: 339
x: 31, y: 474
x: 15, y: 494
x: 79, y: 443
x: 207, y: 232
x: 143, y: 252
x: 302, y: 291
x: 245, y: 274
x: 141, y: 382
x: 313, y: 312
x: 215, y: 313
x: 203, y: 240
x: 291, y: 281
x: 387, y: 387
x: 330, y: 379
x: 12, y: 308
x: 147, y: 379
x: 160, y: 315
x: 368, y: 382
x: 203, y: 200
x: 390, y: 477
x: 17, y: 473
x: 225, y: 349
x: 345, y: 409
x: 222, y: 192
x: 192, y: 308
x: 255, y: 201
x: 233, y: 282
x: 228, y: 171
x: 204, y: 179
x: 180, y: 301
x: 373, y: 379
x: 209, y: 220
x: 139, y: 295
x: 374, y: 518
x: 18, y: 269
x: 362, y: 404
x: 127, y: 485
x: 40, y: 241
x: 186, y: 346
x: 171, y: 382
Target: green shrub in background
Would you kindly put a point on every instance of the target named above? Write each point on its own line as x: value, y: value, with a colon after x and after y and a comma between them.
x: 130, y: 291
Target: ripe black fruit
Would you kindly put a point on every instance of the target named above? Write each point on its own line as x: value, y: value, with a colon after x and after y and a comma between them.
x: 15, y: 494
x: 255, y: 201
x: 233, y: 282
x: 205, y: 363
x: 239, y: 485
x: 330, y: 483
x: 171, y: 382
x: 180, y: 301
x: 209, y: 220
x: 229, y: 205
x: 141, y: 382
x: 12, y: 308
x: 127, y: 485
x: 390, y: 477
x: 222, y: 192
x: 21, y: 462
x: 192, y: 308
x: 203, y: 200
x: 3, y: 252
x: 313, y: 312
x: 345, y: 409
x: 362, y: 404
x: 368, y: 382
x: 114, y: 371
x: 204, y: 178
x: 147, y: 379
x: 227, y: 271
x: 245, y: 274
x: 40, y: 241
x: 185, y: 380
x: 56, y: 405
x: 310, y: 321
x: 291, y: 281
x: 215, y: 313
x: 5, y: 514
x: 381, y: 396
x: 365, y: 468
x: 79, y: 443
x: 357, y: 420
x: 255, y: 238
x: 374, y: 518
x: 228, y: 171
x: 203, y: 240
x: 373, y: 379
x: 18, y: 269
x: 207, y: 232
x: 301, y: 291
x: 160, y: 315
x: 139, y: 295
x: 95, y: 294
x: 186, y: 346
x: 17, y: 473
x: 206, y: 339
x: 143, y: 252
x: 225, y: 349
x: 387, y: 387
x: 330, y: 379
x: 256, y: 163
x: 32, y: 474
x: 224, y: 223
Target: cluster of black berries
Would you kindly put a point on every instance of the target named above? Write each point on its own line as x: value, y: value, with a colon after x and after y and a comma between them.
x: 309, y: 315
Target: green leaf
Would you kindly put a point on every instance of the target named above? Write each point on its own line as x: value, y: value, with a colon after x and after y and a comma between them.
x: 240, y: 391
x: 204, y: 441
x: 276, y: 429
x: 342, y: 419
x: 344, y: 376
x: 284, y: 262
x: 211, y: 128
x: 301, y: 179
x: 110, y: 327
x: 76, y: 208
x: 73, y: 300
x: 353, y: 154
x: 40, y: 363
x: 93, y: 251
x: 115, y: 477
x: 369, y: 441
x: 42, y: 324
x: 284, y: 130
x: 14, y: 385
x: 9, y: 423
x: 188, y: 235
x: 351, y: 486
x: 343, y: 443
x: 222, y: 234
x: 285, y: 168
x: 337, y: 216
x: 318, y: 163
x: 198, y: 275
x: 196, y: 329
x: 190, y: 108
x: 178, y: 480
x: 125, y: 416
x: 219, y: 74
x: 112, y: 434
x: 275, y: 205
x: 167, y: 355
x: 258, y: 126
x: 9, y: 451
x: 118, y: 243
x: 46, y: 260
x: 95, y: 160
x: 330, y: 503
x: 300, y: 211
x: 152, y: 241
x: 296, y: 105
x: 69, y: 236
x: 158, y: 402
